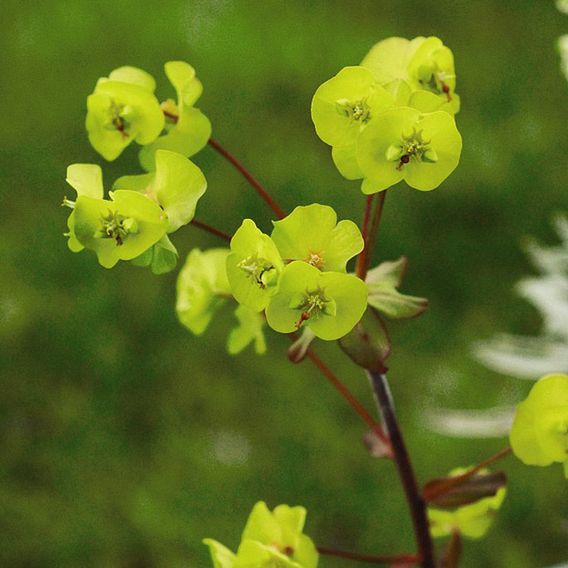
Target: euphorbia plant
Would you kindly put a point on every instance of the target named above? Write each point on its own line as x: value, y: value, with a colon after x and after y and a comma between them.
x: 389, y: 119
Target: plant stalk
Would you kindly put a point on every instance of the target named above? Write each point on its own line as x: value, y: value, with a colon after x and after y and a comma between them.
x: 414, y: 499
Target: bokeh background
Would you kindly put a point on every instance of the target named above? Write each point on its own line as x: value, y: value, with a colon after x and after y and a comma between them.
x: 124, y: 439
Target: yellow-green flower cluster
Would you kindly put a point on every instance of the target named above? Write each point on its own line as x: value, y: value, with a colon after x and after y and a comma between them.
x: 392, y: 117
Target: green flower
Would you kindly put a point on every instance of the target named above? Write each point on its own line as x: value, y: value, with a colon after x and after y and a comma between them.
x: 539, y: 435
x: 432, y: 69
x: 422, y: 149
x: 187, y: 128
x: 202, y: 288
x: 345, y: 104
x: 472, y: 521
x: 253, y: 267
x: 118, y: 229
x: 176, y: 185
x: 121, y: 109
x: 312, y: 234
x: 330, y: 303
x: 424, y: 65
x: 270, y: 540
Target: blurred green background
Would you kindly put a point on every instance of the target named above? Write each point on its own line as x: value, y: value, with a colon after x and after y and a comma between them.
x: 124, y: 439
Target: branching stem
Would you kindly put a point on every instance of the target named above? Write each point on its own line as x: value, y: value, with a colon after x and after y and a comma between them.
x: 256, y: 185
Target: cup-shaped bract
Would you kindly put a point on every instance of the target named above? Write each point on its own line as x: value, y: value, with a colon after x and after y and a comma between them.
x: 176, y: 185
x: 422, y: 149
x: 270, y: 538
x: 187, y: 128
x: 311, y: 233
x: 346, y: 103
x: 121, y: 109
x: 539, y: 435
x: 118, y: 229
x: 253, y: 267
x: 329, y: 303
x: 202, y: 288
x: 432, y: 69
x: 472, y: 521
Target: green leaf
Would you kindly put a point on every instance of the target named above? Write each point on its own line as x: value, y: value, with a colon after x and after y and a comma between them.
x: 368, y: 343
x: 346, y: 103
x: 163, y: 256
x: 389, y: 301
x: 253, y: 267
x: 118, y: 113
x: 539, y: 435
x: 390, y: 272
x: 327, y: 245
x: 330, y: 303
x: 202, y: 288
x: 191, y: 129
x: 250, y: 329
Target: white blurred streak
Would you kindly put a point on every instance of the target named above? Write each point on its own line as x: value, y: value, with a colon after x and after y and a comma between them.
x: 485, y: 423
x: 522, y: 357
x: 230, y: 448
x: 563, y: 50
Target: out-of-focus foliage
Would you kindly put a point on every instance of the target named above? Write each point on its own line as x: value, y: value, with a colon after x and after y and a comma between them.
x: 125, y: 440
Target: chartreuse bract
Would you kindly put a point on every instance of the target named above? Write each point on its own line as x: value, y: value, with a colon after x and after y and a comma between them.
x: 253, y: 266
x: 472, y: 520
x: 539, y: 435
x: 311, y: 233
x: 329, y: 303
x: 270, y: 538
x: 121, y: 228
x: 425, y: 65
x: 187, y: 129
x: 421, y: 149
x: 121, y: 109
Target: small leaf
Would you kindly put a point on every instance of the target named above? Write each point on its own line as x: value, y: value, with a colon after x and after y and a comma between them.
x: 387, y: 299
x: 391, y: 271
x: 470, y: 490
x: 368, y: 344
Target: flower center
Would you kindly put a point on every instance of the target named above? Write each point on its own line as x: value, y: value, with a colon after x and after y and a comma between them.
x: 412, y: 147
x: 259, y: 270
x: 358, y: 111
x: 117, y: 227
x: 315, y: 259
x: 313, y: 304
x: 435, y: 80
x: 117, y: 120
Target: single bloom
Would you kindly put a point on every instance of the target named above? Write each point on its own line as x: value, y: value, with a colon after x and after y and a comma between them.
x: 270, y: 538
x: 346, y: 103
x: 311, y: 233
x: 121, y: 228
x: 329, y: 303
x: 121, y: 109
x: 472, y: 521
x: 539, y: 435
x: 253, y: 267
x: 421, y: 149
x: 202, y: 288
